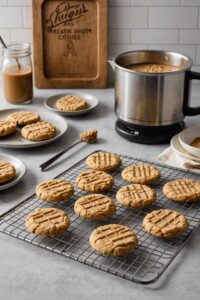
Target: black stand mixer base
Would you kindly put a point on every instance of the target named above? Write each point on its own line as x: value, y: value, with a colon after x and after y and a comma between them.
x: 148, y: 134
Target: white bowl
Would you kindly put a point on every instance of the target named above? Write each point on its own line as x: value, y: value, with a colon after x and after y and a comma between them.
x: 186, y: 137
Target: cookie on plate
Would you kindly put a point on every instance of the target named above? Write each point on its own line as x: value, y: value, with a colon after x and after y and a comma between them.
x: 24, y: 117
x: 103, y: 161
x: 165, y: 223
x: 39, y: 131
x: 54, y: 190
x: 94, y: 181
x: 136, y: 195
x: 113, y: 239
x: 182, y: 190
x: 95, y: 207
x: 7, y: 127
x: 7, y: 172
x: 141, y: 173
x: 47, y: 221
x: 71, y: 103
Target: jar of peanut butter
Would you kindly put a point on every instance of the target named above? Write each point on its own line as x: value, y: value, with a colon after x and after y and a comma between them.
x: 17, y: 73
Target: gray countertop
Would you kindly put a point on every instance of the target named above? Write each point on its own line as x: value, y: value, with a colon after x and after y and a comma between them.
x: 28, y: 272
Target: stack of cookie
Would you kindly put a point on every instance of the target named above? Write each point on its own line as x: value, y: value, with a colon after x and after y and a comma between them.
x: 33, y: 128
x: 114, y: 239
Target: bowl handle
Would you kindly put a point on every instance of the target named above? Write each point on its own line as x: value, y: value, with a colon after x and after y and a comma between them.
x: 187, y: 110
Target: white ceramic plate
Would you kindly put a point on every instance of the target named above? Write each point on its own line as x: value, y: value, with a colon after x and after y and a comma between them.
x: 176, y: 146
x: 20, y: 170
x: 186, y: 137
x: 92, y: 101
x: 15, y: 140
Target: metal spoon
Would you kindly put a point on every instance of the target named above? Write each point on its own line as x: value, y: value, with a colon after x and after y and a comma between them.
x: 86, y: 137
x: 5, y: 46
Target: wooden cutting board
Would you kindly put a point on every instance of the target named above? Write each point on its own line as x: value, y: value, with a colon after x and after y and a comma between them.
x: 70, y: 43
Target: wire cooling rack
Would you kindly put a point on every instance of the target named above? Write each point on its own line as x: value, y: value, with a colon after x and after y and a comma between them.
x: 146, y: 263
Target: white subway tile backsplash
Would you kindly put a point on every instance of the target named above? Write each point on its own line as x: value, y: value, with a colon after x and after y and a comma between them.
x: 119, y: 36
x: 155, y: 2
x: 188, y: 50
x: 20, y: 2
x: 154, y: 36
x: 128, y: 17
x: 119, y: 2
x: 190, y: 2
x: 21, y: 35
x: 117, y: 49
x: 27, y: 17
x: 3, y: 2
x: 190, y: 36
x: 10, y: 17
x: 198, y: 56
x: 173, y: 17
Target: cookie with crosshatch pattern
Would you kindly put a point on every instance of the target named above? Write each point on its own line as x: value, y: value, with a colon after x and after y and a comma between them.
x: 113, y: 239
x: 103, y: 161
x: 47, y: 221
x: 182, y: 190
x: 141, y: 173
x: 7, y: 127
x: 54, y: 190
x: 94, y: 181
x: 7, y: 172
x: 71, y: 103
x: 95, y: 207
x: 24, y: 117
x: 39, y: 131
x: 136, y: 195
x: 165, y: 223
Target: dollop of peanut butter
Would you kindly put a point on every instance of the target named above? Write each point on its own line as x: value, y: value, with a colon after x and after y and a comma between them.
x: 89, y: 136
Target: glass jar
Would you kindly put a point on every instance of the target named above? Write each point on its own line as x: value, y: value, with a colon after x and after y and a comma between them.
x: 17, y: 73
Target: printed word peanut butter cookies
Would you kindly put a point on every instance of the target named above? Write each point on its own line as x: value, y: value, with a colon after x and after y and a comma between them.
x: 47, y: 221
x: 94, y: 181
x: 136, y: 195
x: 113, y: 239
x: 95, y: 207
x: 141, y: 173
x: 182, y: 190
x: 165, y: 223
x: 54, y: 190
x: 7, y: 127
x: 71, y: 103
x: 103, y: 161
x: 7, y: 172
x: 39, y: 131
x: 24, y: 117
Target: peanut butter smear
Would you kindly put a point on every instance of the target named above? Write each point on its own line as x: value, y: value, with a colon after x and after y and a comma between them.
x: 89, y: 136
x: 196, y: 143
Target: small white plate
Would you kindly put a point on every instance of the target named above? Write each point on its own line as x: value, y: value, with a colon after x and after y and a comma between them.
x: 186, y: 137
x: 91, y: 100
x: 20, y: 170
x: 176, y: 146
x: 15, y: 140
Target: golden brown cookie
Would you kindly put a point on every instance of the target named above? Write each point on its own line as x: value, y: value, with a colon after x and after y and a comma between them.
x: 113, y: 239
x: 24, y: 117
x: 54, y: 190
x: 47, y: 221
x: 136, y: 195
x: 103, y: 161
x: 165, y: 223
x: 141, y: 173
x: 95, y: 207
x: 182, y: 190
x: 7, y: 172
x: 71, y: 103
x: 89, y: 136
x: 94, y: 181
x: 39, y: 131
x: 7, y: 127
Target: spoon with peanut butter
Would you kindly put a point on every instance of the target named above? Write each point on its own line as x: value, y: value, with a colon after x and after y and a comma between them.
x: 88, y: 137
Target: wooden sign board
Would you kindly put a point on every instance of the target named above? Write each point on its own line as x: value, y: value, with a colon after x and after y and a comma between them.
x: 70, y: 43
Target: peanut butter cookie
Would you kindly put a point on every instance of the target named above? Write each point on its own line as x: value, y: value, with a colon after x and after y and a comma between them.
x: 103, y: 161
x: 71, y: 103
x: 47, y: 221
x: 54, y: 190
x: 7, y: 127
x: 182, y: 190
x: 7, y: 172
x: 94, y: 181
x: 24, y: 117
x: 95, y: 207
x: 165, y: 223
x: 141, y: 173
x: 39, y: 131
x: 136, y: 195
x: 113, y: 239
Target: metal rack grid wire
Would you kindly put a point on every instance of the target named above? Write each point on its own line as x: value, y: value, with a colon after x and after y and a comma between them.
x: 146, y: 263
